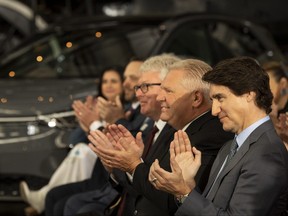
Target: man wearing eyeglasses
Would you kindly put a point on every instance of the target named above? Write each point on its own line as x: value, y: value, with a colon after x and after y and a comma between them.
x: 81, y: 202
x: 185, y: 105
x: 56, y: 198
x: 153, y: 70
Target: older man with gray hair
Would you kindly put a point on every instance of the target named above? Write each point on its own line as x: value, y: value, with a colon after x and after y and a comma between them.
x: 185, y: 105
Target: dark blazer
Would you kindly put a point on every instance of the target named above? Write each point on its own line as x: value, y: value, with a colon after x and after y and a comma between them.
x: 100, y: 176
x: 159, y: 148
x: 207, y: 135
x: 253, y: 183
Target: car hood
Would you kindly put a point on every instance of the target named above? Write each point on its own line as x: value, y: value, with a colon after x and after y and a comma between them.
x: 20, y: 98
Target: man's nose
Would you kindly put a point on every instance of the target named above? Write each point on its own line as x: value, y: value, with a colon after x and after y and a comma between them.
x: 215, y: 108
x: 138, y: 92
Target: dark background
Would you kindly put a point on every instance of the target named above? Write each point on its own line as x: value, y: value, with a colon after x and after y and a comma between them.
x: 271, y: 14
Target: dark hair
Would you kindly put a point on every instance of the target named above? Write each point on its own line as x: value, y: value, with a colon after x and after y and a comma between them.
x: 276, y: 68
x: 118, y: 69
x: 242, y: 75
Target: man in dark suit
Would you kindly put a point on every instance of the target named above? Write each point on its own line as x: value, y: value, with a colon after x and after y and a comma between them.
x: 250, y: 174
x: 82, y: 202
x: 185, y: 105
x: 135, y: 121
x: 146, y: 92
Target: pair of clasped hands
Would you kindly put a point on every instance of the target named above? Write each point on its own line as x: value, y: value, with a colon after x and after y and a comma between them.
x: 97, y: 109
x: 119, y: 149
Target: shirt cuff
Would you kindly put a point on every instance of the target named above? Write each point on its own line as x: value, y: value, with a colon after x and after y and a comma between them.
x: 95, y: 125
x: 130, y: 177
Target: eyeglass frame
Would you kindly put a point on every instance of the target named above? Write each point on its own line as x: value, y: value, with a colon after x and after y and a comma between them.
x: 145, y: 86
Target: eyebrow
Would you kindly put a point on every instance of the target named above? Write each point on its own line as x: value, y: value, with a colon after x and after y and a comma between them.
x: 217, y: 96
x: 166, y: 88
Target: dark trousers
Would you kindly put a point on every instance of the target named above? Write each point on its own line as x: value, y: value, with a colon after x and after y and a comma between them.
x: 57, y: 197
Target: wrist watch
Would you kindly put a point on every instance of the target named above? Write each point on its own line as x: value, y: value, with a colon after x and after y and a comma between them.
x: 182, y: 198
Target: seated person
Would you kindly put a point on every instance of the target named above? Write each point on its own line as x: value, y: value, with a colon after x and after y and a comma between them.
x: 78, y: 164
x: 111, y: 113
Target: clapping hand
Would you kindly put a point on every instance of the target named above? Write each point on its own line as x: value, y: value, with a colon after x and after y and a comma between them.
x: 184, y: 161
x: 86, y: 112
x: 110, y: 111
x: 124, y: 151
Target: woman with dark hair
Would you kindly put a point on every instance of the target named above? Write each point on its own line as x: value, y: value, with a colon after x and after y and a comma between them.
x: 79, y: 163
x: 87, y: 113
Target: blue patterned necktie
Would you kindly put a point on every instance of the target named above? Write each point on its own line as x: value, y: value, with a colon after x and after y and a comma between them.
x: 233, y: 150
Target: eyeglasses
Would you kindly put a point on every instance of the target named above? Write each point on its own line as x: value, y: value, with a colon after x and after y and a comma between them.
x: 144, y: 87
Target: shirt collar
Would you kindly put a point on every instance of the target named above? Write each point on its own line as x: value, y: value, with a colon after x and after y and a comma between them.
x: 240, y: 138
x: 135, y: 105
x: 160, y: 124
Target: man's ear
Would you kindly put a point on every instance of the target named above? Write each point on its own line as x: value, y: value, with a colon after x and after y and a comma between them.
x: 250, y: 96
x: 198, y: 99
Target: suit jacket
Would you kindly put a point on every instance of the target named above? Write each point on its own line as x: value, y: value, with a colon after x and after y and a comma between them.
x: 207, y: 135
x: 125, y: 186
x: 100, y: 177
x: 254, y: 182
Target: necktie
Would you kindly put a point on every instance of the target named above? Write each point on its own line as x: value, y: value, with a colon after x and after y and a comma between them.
x: 233, y: 150
x: 145, y: 153
x: 149, y: 141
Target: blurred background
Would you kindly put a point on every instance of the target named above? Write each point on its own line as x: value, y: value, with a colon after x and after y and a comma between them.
x: 271, y: 14
x: 53, y: 51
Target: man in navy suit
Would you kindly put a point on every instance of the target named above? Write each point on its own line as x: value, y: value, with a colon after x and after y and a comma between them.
x: 250, y: 174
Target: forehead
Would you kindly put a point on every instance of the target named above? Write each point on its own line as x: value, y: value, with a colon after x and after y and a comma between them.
x: 132, y: 69
x: 150, y: 76
x: 173, y: 78
x: 219, y: 89
x: 110, y: 74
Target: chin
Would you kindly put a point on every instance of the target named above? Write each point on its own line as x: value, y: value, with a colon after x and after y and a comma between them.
x: 228, y: 129
x: 163, y: 117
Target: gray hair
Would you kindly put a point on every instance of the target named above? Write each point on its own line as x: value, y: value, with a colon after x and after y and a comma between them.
x: 194, y: 70
x: 159, y: 63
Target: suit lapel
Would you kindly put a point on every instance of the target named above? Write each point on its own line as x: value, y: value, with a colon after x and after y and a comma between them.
x: 217, y: 165
x: 252, y: 138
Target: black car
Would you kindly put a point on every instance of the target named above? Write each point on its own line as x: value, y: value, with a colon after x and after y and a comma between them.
x: 40, y: 79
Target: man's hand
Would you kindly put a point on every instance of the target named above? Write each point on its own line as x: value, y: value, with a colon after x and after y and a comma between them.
x: 118, y: 149
x: 100, y: 141
x: 110, y: 111
x: 182, y: 151
x: 118, y: 132
x: 184, y: 161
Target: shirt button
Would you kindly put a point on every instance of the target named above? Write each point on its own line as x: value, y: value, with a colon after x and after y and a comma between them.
x: 135, y: 212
